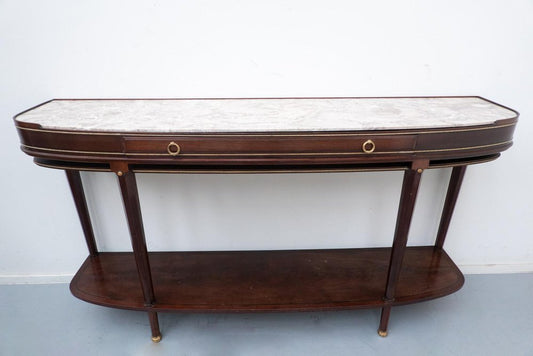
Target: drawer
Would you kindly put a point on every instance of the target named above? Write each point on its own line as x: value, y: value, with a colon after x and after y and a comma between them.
x: 264, y: 144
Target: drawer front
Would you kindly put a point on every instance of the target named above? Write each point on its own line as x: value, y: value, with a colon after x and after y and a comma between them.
x: 277, y: 145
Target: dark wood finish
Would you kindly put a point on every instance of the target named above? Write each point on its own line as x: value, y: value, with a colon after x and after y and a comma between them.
x: 454, y: 186
x: 246, y: 281
x: 267, y: 148
x: 76, y: 187
x: 266, y: 280
x: 128, y: 188
x: 410, y: 185
x: 130, y: 197
x: 154, y: 326
x: 214, y: 168
x: 266, y: 144
x: 312, y: 148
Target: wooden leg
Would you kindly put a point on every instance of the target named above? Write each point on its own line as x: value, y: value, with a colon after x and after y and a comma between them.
x: 154, y: 325
x: 76, y: 187
x: 128, y: 187
x: 451, y: 198
x: 384, y: 320
x: 410, y: 184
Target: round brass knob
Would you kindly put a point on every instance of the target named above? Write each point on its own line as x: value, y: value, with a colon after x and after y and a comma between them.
x: 369, y: 146
x: 173, y: 149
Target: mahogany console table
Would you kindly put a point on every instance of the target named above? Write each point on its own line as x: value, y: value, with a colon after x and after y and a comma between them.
x: 262, y: 136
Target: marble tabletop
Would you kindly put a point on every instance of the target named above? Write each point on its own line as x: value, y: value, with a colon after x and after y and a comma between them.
x: 264, y: 115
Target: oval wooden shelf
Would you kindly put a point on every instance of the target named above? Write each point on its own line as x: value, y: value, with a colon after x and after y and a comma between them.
x: 249, y: 281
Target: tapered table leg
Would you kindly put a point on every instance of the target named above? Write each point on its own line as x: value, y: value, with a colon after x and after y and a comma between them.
x: 76, y: 187
x: 128, y: 187
x: 451, y: 198
x: 410, y: 185
x: 154, y: 325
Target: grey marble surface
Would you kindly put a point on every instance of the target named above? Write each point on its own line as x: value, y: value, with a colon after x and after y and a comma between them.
x: 264, y: 115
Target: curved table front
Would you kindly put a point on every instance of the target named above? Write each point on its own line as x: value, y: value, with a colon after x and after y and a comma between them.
x: 265, y: 135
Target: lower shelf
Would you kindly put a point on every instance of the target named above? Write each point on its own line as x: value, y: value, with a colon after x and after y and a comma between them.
x: 266, y: 280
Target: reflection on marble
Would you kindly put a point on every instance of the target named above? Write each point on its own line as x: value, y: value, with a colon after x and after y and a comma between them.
x: 264, y: 115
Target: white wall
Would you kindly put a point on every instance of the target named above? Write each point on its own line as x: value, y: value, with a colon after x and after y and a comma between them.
x: 60, y: 48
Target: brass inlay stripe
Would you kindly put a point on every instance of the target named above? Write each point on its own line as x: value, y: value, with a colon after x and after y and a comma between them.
x: 465, y: 148
x: 204, y: 171
x: 244, y: 134
x: 201, y: 171
x: 71, y: 151
x: 268, y: 154
x: 340, y: 170
x: 60, y: 166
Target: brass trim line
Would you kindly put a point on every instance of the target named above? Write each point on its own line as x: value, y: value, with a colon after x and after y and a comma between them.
x: 340, y: 170
x: 267, y: 154
x: 329, y: 170
x: 73, y: 168
x: 230, y: 171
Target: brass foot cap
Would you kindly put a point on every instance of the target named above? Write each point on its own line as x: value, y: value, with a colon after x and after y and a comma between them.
x: 156, y: 338
x: 382, y: 333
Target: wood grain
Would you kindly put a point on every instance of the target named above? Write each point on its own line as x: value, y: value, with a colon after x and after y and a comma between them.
x: 266, y: 280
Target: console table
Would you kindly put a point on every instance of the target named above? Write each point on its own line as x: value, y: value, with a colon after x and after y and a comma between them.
x: 265, y: 136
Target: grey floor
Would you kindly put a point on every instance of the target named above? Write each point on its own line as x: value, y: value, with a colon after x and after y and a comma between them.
x: 491, y: 315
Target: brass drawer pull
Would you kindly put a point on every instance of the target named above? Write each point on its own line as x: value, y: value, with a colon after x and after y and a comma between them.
x: 173, y: 149
x: 369, y: 146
